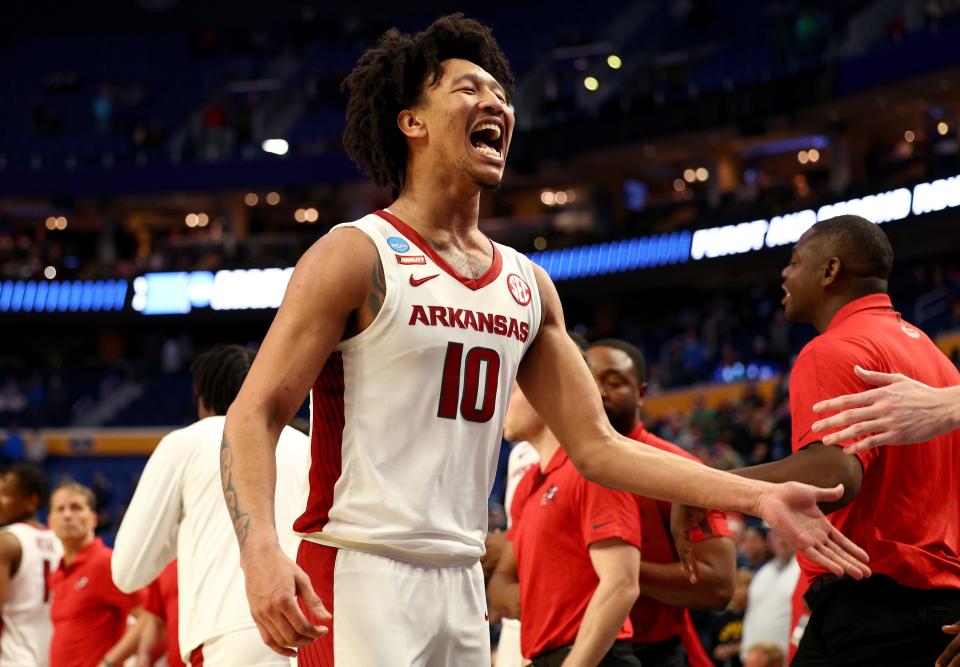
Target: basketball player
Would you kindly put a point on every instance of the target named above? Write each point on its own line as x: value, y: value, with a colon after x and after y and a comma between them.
x: 663, y: 632
x: 177, y: 512
x: 901, y: 502
x: 89, y: 612
x: 898, y: 411
x: 409, y: 326
x: 28, y: 553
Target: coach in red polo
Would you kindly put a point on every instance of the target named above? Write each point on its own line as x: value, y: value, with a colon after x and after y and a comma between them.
x: 899, y: 503
x: 663, y: 634
x: 574, y: 547
x: 89, y: 612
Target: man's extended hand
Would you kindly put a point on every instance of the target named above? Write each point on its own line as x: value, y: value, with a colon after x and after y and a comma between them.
x: 274, y: 582
x: 792, y: 510
x: 951, y: 655
x: 900, y: 411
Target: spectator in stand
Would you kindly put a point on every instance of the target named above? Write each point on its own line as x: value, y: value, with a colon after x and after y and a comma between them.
x: 663, y: 634
x: 767, y: 618
x: 754, y: 549
x: 89, y: 612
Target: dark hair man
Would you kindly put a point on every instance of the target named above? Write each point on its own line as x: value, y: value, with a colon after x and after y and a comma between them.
x: 28, y: 553
x: 900, y: 502
x: 663, y: 633
x: 177, y: 512
x: 410, y: 327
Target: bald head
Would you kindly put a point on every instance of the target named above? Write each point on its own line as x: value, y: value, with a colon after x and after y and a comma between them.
x: 861, y: 246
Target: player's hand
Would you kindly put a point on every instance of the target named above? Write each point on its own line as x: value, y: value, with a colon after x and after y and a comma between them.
x: 951, y: 655
x: 791, y: 510
x: 900, y: 411
x: 273, y: 583
x: 683, y: 519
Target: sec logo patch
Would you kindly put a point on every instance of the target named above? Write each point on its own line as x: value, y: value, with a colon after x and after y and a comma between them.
x: 519, y: 289
x: 398, y: 244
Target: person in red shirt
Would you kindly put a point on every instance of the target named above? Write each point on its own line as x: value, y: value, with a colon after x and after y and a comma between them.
x: 89, y: 612
x: 663, y: 633
x: 572, y: 559
x: 162, y: 620
x: 899, y: 503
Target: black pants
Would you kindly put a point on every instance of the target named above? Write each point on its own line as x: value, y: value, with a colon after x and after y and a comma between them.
x: 668, y: 653
x: 876, y: 622
x: 620, y: 655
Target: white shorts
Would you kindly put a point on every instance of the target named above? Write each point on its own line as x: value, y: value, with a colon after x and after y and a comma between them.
x: 508, y: 649
x: 387, y: 612
x: 242, y: 647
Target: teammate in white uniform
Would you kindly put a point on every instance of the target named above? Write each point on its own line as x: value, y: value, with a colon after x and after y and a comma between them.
x: 411, y: 326
x: 29, y: 551
x: 177, y: 511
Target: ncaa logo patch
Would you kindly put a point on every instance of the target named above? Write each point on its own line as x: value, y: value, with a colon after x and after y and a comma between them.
x: 519, y: 289
x: 398, y: 244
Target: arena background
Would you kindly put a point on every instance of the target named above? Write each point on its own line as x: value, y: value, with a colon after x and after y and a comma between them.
x: 163, y: 164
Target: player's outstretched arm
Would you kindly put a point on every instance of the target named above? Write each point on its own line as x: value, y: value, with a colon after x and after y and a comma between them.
x: 555, y: 378
x: 331, y: 282
x: 900, y: 411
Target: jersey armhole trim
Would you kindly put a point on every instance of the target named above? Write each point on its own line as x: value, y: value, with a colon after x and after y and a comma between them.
x: 387, y: 310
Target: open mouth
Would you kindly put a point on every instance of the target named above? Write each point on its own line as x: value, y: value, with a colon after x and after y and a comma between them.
x: 487, y: 139
x: 786, y: 295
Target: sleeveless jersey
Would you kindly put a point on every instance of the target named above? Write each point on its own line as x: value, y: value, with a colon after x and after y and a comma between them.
x: 407, y: 416
x: 25, y: 640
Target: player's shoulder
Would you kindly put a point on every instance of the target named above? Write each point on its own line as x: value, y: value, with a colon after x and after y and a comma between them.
x: 344, y: 243
x: 184, y: 440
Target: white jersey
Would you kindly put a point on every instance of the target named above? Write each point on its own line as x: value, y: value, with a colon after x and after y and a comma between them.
x: 25, y: 638
x: 522, y: 457
x: 178, y: 511
x: 407, y: 415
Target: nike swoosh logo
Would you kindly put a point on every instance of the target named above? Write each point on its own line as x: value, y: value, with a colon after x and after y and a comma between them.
x: 601, y: 525
x: 419, y: 281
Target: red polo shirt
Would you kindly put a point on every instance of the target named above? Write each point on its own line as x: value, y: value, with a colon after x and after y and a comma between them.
x: 905, y: 515
x: 557, y: 515
x: 654, y: 621
x: 162, y: 601
x: 89, y: 612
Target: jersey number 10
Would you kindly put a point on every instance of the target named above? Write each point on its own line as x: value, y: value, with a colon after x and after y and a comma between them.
x: 456, y: 371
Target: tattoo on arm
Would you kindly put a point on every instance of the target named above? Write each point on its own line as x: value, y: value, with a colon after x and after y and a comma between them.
x: 240, y: 519
x: 378, y: 289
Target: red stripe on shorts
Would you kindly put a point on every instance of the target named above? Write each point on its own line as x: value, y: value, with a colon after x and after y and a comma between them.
x: 318, y: 561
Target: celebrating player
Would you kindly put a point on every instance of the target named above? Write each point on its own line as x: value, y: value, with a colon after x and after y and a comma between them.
x: 410, y: 326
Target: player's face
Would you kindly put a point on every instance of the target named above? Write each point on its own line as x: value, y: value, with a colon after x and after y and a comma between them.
x: 71, y: 517
x: 469, y: 121
x: 12, y: 502
x: 801, y: 280
x: 522, y: 422
x: 622, y: 396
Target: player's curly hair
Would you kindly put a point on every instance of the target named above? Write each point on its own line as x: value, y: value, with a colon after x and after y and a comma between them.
x: 218, y: 374
x: 391, y: 77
